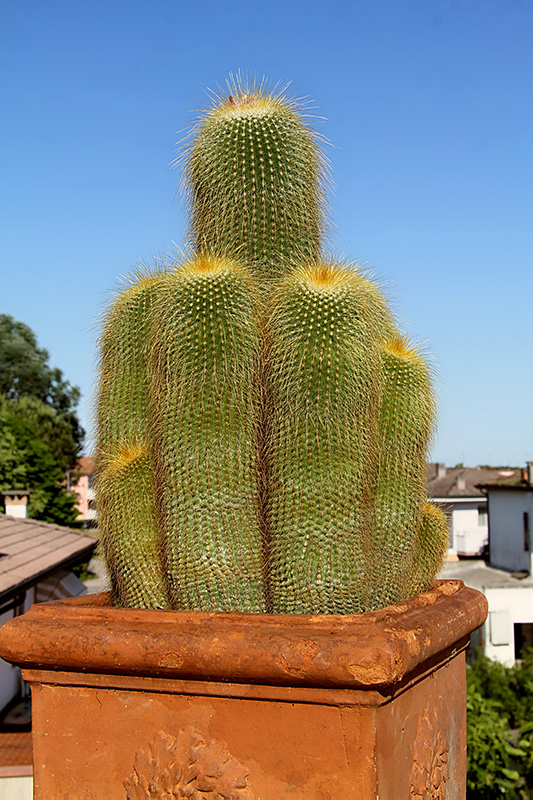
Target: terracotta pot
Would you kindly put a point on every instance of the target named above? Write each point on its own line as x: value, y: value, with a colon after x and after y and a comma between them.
x: 165, y: 704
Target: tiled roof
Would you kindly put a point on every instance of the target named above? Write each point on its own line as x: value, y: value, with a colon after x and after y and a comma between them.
x: 85, y: 465
x: 464, y: 481
x: 32, y: 550
x: 15, y: 754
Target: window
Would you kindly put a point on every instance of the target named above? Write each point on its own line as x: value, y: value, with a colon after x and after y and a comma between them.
x: 482, y: 516
x: 527, y: 543
x: 523, y: 637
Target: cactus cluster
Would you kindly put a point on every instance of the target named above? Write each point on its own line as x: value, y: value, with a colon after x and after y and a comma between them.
x: 263, y: 426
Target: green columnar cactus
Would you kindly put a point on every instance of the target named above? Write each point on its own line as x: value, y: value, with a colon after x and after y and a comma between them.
x: 256, y: 181
x: 325, y: 381
x: 131, y: 533
x: 205, y: 354
x: 263, y: 426
x: 405, y: 426
x: 178, y: 440
x: 125, y: 377
x: 127, y: 496
x: 429, y: 550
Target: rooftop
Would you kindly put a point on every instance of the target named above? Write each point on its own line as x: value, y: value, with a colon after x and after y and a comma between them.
x: 85, y: 465
x: 465, y: 481
x: 479, y: 575
x: 521, y: 479
x: 31, y: 550
x: 15, y: 754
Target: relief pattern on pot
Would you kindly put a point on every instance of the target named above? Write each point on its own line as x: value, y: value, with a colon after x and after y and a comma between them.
x: 189, y: 765
x: 430, y: 759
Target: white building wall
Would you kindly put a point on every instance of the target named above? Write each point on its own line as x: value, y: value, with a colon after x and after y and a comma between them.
x: 16, y: 788
x: 506, y: 607
x: 507, y: 541
x: 470, y: 530
x: 10, y: 675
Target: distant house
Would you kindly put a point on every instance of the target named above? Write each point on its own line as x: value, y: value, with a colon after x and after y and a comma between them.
x: 456, y: 490
x: 510, y: 502
x: 35, y: 563
x: 507, y: 580
x: 81, y: 481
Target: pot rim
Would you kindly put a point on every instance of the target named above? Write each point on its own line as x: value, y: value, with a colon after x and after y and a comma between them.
x: 372, y: 650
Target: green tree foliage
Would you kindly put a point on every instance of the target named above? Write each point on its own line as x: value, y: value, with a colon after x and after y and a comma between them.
x: 24, y: 371
x: 40, y: 435
x: 500, y: 729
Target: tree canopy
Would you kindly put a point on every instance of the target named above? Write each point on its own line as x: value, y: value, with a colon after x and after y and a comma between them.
x: 40, y: 434
x: 25, y: 371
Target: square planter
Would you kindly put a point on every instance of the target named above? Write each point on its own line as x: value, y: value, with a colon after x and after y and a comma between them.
x: 167, y: 704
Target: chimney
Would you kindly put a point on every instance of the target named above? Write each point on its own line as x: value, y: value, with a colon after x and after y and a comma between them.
x: 460, y: 482
x: 16, y: 503
x: 441, y: 470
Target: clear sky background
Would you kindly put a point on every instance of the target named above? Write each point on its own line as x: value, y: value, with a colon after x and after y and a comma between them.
x: 428, y: 105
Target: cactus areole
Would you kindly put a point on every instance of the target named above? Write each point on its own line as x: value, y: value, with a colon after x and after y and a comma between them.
x: 263, y: 425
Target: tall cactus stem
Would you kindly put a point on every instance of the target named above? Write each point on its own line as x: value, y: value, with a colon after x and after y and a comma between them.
x: 324, y: 333
x: 131, y: 535
x: 206, y: 363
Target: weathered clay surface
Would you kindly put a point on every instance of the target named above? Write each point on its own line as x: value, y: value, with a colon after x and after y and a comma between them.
x: 376, y: 649
x: 208, y: 706
x: 429, y: 773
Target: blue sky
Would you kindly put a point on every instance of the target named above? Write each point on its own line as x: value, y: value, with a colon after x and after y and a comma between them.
x: 429, y: 108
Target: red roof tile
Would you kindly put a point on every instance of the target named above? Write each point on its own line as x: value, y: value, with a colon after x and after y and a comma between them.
x: 85, y: 465
x: 15, y: 750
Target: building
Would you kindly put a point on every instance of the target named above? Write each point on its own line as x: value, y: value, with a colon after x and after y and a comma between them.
x: 510, y: 503
x: 81, y: 481
x: 36, y: 559
x: 507, y: 579
x: 457, y: 491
